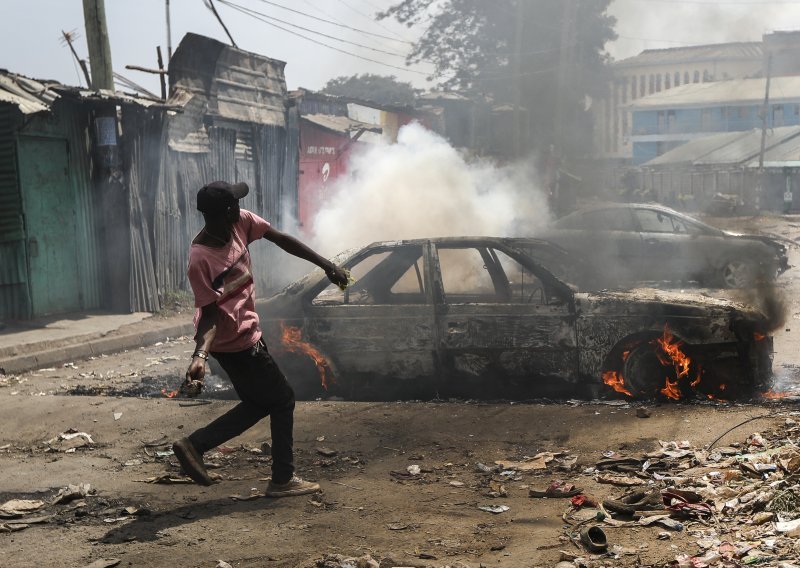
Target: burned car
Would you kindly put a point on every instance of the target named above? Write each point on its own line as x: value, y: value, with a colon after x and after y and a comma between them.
x: 627, y: 243
x: 478, y: 317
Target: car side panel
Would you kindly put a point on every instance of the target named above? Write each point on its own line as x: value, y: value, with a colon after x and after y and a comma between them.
x: 382, y: 340
x: 530, y: 341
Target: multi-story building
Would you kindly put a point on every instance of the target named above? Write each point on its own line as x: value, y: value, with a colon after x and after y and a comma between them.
x: 655, y: 71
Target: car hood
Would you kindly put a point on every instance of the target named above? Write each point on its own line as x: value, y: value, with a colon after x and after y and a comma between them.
x: 670, y: 303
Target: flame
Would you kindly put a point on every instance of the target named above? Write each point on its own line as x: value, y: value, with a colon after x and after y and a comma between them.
x: 616, y: 382
x: 292, y: 341
x: 625, y: 355
x: 671, y: 390
x: 169, y: 394
x: 774, y: 395
x: 673, y: 350
x: 759, y: 336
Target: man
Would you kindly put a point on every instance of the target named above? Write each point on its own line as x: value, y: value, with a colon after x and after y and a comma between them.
x: 228, y: 329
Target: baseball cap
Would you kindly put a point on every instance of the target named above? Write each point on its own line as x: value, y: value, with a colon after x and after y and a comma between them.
x: 219, y: 195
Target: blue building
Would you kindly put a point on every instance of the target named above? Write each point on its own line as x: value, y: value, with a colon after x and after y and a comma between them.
x: 663, y: 121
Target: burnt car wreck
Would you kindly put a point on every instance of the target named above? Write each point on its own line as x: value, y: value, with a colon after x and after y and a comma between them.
x: 478, y: 317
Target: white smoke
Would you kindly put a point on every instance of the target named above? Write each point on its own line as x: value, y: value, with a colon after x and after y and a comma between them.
x: 423, y: 187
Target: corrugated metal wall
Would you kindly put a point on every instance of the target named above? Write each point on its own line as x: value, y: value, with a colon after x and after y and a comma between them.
x: 14, y: 294
x: 141, y: 135
x: 76, y: 127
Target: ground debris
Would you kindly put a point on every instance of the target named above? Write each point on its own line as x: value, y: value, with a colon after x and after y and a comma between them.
x: 742, y: 498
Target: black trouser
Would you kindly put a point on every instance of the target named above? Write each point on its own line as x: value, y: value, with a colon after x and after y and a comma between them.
x: 263, y: 391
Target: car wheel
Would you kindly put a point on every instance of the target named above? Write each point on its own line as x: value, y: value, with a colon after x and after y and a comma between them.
x: 737, y: 274
x: 644, y: 372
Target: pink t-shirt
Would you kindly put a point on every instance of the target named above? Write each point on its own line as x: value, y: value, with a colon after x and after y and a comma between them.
x: 223, y: 276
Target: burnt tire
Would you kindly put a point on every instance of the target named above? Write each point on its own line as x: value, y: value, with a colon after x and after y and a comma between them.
x: 644, y: 372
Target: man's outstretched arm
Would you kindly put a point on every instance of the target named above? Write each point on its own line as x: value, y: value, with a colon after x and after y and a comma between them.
x: 296, y: 248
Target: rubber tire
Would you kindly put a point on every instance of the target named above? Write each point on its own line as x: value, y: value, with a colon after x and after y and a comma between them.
x: 644, y: 373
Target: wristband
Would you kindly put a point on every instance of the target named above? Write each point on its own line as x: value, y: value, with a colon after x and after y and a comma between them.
x: 200, y: 353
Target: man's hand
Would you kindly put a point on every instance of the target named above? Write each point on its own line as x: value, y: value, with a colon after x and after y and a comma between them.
x: 338, y: 276
x: 193, y: 384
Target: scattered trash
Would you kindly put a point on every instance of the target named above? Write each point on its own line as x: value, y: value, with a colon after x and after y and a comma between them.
x: 104, y: 563
x: 117, y: 415
x: 222, y: 564
x: 19, y: 507
x: 71, y: 493
x: 397, y: 526
x: 69, y: 441
x: 327, y: 452
x: 537, y: 462
x: 414, y: 470
x: 496, y: 509
x: 557, y: 488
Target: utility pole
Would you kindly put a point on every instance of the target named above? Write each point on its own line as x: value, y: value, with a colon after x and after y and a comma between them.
x: 566, y: 71
x: 108, y: 176
x: 94, y: 17
x: 516, y: 78
x: 764, y: 115
x: 169, y: 34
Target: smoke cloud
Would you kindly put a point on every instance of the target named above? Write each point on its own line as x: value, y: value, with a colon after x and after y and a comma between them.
x: 423, y: 187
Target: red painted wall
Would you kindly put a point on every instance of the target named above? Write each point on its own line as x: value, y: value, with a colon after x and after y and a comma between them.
x: 323, y: 158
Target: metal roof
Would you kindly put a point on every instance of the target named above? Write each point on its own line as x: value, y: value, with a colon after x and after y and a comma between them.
x: 722, y: 93
x: 784, y: 155
x: 340, y: 124
x: 736, y: 51
x: 729, y: 148
x: 235, y: 84
x: 29, y: 95
x: 32, y: 95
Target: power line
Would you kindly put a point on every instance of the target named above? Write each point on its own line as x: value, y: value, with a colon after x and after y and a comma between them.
x: 371, y: 19
x: 331, y: 22
x: 248, y: 13
x: 253, y: 13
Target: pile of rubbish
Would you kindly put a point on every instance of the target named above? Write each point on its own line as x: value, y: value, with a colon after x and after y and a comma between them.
x: 740, y: 504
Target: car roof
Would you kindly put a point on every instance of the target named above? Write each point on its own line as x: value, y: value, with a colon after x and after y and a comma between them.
x: 466, y: 240
x: 647, y: 206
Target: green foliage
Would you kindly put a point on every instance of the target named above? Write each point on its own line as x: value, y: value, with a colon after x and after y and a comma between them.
x: 370, y: 87
x: 562, y: 58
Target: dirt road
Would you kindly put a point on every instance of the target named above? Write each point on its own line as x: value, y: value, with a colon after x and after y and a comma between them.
x: 360, y: 453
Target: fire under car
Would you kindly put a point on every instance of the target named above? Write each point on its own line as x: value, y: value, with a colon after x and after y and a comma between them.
x: 478, y: 317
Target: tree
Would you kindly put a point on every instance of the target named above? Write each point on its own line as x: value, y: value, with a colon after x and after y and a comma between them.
x: 380, y: 89
x: 547, y: 55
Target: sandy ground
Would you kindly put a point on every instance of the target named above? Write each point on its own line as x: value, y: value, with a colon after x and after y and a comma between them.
x: 352, y: 449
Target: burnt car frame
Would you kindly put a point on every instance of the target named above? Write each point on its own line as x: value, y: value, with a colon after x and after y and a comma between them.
x: 479, y: 317
x: 637, y: 242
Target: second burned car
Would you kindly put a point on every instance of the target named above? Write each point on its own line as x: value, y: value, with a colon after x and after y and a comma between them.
x: 479, y: 317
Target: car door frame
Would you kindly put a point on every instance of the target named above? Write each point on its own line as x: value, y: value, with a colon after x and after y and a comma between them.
x: 360, y: 338
x: 460, y: 324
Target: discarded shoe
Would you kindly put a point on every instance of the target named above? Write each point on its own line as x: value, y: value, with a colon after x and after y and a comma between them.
x: 557, y: 488
x: 191, y: 461
x: 636, y: 501
x: 594, y: 539
x: 295, y: 486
